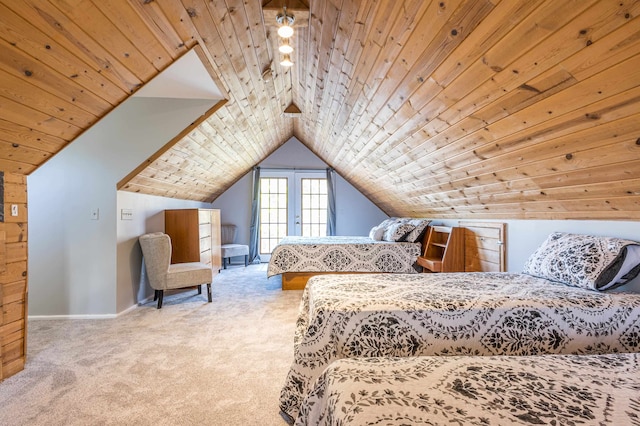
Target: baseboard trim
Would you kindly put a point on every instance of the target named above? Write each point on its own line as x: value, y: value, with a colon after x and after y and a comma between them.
x: 72, y: 317
x: 89, y: 316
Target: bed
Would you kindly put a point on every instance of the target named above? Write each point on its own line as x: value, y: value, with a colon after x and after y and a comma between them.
x: 550, y: 389
x: 552, y: 308
x: 391, y: 247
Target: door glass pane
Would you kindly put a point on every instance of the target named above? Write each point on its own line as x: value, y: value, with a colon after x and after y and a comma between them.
x: 273, y: 212
x: 314, y: 207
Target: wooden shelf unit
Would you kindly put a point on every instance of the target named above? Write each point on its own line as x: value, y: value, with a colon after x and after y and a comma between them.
x: 444, y: 250
x: 195, y: 236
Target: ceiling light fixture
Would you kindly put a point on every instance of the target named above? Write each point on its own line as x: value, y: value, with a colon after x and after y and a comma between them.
x: 285, y: 47
x: 285, y: 21
x: 286, y: 61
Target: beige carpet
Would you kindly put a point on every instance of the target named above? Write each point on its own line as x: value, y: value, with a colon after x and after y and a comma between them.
x: 190, y: 363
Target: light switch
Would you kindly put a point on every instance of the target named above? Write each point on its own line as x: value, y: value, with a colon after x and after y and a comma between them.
x: 14, y: 210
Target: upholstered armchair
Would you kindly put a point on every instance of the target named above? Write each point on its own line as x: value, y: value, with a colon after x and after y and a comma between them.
x: 229, y: 247
x: 156, y: 250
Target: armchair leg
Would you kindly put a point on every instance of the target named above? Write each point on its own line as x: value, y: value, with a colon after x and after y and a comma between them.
x: 224, y: 262
x: 200, y: 289
x: 246, y: 260
x: 160, y: 297
x: 209, y: 292
x: 155, y: 295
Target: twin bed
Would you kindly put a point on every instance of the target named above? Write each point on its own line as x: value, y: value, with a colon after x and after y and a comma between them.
x: 552, y: 308
x: 478, y: 391
x: 391, y: 247
x: 299, y: 258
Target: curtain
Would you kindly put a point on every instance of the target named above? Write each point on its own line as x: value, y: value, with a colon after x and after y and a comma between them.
x: 331, y: 210
x: 254, y: 229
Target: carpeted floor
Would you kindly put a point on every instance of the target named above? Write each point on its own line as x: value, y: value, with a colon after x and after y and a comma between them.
x: 190, y: 363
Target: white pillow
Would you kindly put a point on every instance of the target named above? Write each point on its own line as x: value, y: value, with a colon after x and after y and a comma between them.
x: 376, y: 233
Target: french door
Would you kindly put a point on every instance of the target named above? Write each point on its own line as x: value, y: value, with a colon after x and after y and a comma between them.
x: 291, y: 203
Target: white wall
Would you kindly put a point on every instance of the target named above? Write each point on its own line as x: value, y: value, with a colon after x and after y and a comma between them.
x: 72, y: 258
x: 148, y: 216
x: 355, y: 213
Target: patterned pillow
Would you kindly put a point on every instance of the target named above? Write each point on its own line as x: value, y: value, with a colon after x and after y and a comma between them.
x: 418, y: 232
x: 398, y: 231
x: 598, y: 263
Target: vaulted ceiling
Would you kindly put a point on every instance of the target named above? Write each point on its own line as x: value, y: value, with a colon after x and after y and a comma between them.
x: 452, y: 108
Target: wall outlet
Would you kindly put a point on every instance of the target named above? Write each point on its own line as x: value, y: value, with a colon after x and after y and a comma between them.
x: 95, y: 214
x: 126, y: 214
x: 14, y: 210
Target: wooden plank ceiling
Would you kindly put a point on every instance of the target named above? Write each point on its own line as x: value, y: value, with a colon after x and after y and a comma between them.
x: 451, y: 108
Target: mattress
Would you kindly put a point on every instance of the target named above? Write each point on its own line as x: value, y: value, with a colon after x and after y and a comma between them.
x: 343, y: 254
x: 400, y: 315
x: 494, y: 390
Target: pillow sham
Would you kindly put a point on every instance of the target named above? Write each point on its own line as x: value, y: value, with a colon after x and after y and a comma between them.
x: 398, y: 231
x: 597, y: 263
x: 418, y: 232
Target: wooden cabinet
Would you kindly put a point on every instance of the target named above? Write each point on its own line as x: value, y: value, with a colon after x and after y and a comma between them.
x: 195, y: 236
x: 444, y: 250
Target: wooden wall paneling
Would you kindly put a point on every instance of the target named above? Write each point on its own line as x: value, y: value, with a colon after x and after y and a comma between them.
x: 214, y: 15
x: 426, y: 107
x: 521, y: 152
x: 20, y: 64
x: 459, y: 25
x: 13, y: 279
x: 330, y: 24
x: 161, y: 27
x: 27, y: 156
x: 345, y: 54
x: 19, y: 90
x: 130, y: 24
x: 485, y: 246
x: 31, y: 39
x: 426, y: 30
x: 491, y: 92
x: 515, y: 43
x: 447, y: 155
x: 224, y: 150
x: 399, y: 31
x: 21, y: 135
x: 259, y: 57
x: 24, y: 115
x: 233, y: 23
x: 69, y: 34
x: 108, y: 35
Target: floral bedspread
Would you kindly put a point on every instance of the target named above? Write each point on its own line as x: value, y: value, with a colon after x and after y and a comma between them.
x: 401, y: 315
x: 342, y: 254
x: 549, y: 389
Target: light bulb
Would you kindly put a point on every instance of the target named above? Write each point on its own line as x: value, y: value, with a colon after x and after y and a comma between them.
x: 286, y: 62
x: 285, y: 47
x: 285, y: 31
